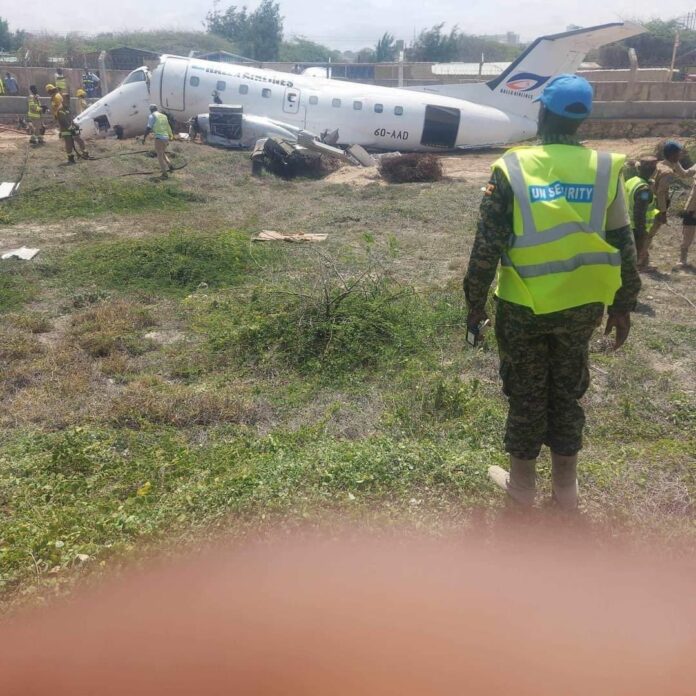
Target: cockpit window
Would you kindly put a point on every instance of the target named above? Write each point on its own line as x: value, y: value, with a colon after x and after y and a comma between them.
x: 136, y: 76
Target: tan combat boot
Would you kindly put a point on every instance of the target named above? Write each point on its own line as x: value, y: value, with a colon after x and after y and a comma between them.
x: 519, y: 483
x: 564, y: 481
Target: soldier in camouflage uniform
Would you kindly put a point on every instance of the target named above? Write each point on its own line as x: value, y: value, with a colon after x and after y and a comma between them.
x: 544, y: 357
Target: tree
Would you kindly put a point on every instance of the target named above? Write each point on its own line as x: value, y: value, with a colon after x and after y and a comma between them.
x: 365, y: 55
x: 301, y: 50
x: 258, y: 34
x: 654, y: 48
x: 10, y: 41
x: 434, y: 46
x: 385, y: 50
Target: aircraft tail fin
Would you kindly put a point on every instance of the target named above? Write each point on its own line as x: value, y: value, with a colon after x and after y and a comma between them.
x: 515, y: 90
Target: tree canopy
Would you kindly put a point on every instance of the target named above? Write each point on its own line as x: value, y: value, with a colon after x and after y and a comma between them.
x: 10, y: 41
x: 257, y: 34
x: 654, y: 48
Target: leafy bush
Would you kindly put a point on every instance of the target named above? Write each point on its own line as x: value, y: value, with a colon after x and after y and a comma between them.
x: 339, y: 325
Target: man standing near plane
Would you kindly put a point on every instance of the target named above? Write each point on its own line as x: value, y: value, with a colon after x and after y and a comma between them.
x: 668, y: 170
x: 554, y: 216
x: 642, y: 208
x: 158, y: 124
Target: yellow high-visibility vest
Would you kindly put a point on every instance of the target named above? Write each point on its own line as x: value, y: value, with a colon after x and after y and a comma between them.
x: 558, y: 257
x: 34, y: 108
x: 632, y: 186
x: 161, y: 127
x: 61, y: 83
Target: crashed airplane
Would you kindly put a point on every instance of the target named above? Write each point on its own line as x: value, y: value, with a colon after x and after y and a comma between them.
x: 434, y: 118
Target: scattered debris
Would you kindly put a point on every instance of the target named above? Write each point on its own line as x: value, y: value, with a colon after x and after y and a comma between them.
x: 410, y: 168
x: 359, y: 153
x: 8, y: 188
x: 24, y: 253
x: 289, y: 160
x: 270, y: 236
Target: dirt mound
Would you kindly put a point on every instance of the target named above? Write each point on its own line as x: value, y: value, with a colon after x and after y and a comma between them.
x: 410, y: 168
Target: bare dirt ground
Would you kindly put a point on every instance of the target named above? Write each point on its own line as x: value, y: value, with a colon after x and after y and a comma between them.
x: 475, y: 167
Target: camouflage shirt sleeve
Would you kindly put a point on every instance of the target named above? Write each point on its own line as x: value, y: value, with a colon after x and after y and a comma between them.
x: 627, y: 295
x: 492, y: 237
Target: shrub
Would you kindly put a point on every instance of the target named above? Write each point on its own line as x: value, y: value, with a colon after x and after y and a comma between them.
x: 410, y: 168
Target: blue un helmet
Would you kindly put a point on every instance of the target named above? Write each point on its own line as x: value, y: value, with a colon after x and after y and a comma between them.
x: 569, y: 96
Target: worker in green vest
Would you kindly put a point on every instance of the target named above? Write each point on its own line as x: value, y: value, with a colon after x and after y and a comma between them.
x: 158, y: 124
x: 642, y: 206
x: 35, y: 113
x: 554, y: 218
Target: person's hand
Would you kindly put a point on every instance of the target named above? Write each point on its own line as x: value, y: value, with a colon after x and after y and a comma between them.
x: 475, y: 317
x: 621, y: 321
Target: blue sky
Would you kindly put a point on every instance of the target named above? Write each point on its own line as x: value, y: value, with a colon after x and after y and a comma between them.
x: 344, y: 24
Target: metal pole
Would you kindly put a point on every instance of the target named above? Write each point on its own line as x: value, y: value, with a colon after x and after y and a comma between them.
x: 674, y: 55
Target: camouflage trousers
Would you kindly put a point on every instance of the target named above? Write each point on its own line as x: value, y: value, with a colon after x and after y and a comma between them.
x: 544, y: 366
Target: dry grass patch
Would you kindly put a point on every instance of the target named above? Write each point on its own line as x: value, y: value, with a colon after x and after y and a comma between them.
x: 56, y: 389
x: 33, y: 322
x: 153, y: 401
x: 17, y: 345
x: 113, y: 327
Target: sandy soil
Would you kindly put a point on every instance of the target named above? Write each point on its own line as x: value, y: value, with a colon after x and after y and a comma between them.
x: 475, y: 167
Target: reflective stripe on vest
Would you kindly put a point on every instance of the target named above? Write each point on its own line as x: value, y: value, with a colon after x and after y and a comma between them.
x: 161, y: 126
x: 558, y: 257
x: 632, y: 186
x: 34, y: 110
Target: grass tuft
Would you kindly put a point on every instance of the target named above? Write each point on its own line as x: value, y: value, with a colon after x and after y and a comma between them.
x: 174, y: 264
x: 93, y: 198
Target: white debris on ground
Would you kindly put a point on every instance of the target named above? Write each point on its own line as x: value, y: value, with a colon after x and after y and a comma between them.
x: 23, y: 253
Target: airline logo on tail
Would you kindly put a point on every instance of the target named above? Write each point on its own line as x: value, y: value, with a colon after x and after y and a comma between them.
x: 523, y: 83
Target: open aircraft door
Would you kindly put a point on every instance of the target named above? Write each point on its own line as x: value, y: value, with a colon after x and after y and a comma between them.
x: 173, y: 84
x: 441, y: 127
x: 291, y: 105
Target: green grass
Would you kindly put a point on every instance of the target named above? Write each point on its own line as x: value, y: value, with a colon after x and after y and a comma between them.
x: 339, y: 324
x: 162, y: 378
x: 173, y: 264
x: 15, y: 286
x: 91, y: 198
x: 99, y: 492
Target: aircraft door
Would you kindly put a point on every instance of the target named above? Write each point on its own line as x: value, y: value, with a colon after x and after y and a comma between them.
x: 441, y: 126
x: 173, y: 84
x: 291, y: 104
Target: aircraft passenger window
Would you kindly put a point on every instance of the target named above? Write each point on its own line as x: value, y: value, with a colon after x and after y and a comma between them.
x: 221, y: 86
x: 194, y: 81
x: 265, y: 92
x: 379, y: 108
x: 357, y: 105
x: 398, y: 110
x: 336, y: 103
x: 314, y: 101
x: 243, y: 89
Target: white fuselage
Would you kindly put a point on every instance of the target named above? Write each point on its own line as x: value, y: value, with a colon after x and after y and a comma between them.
x: 380, y: 118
